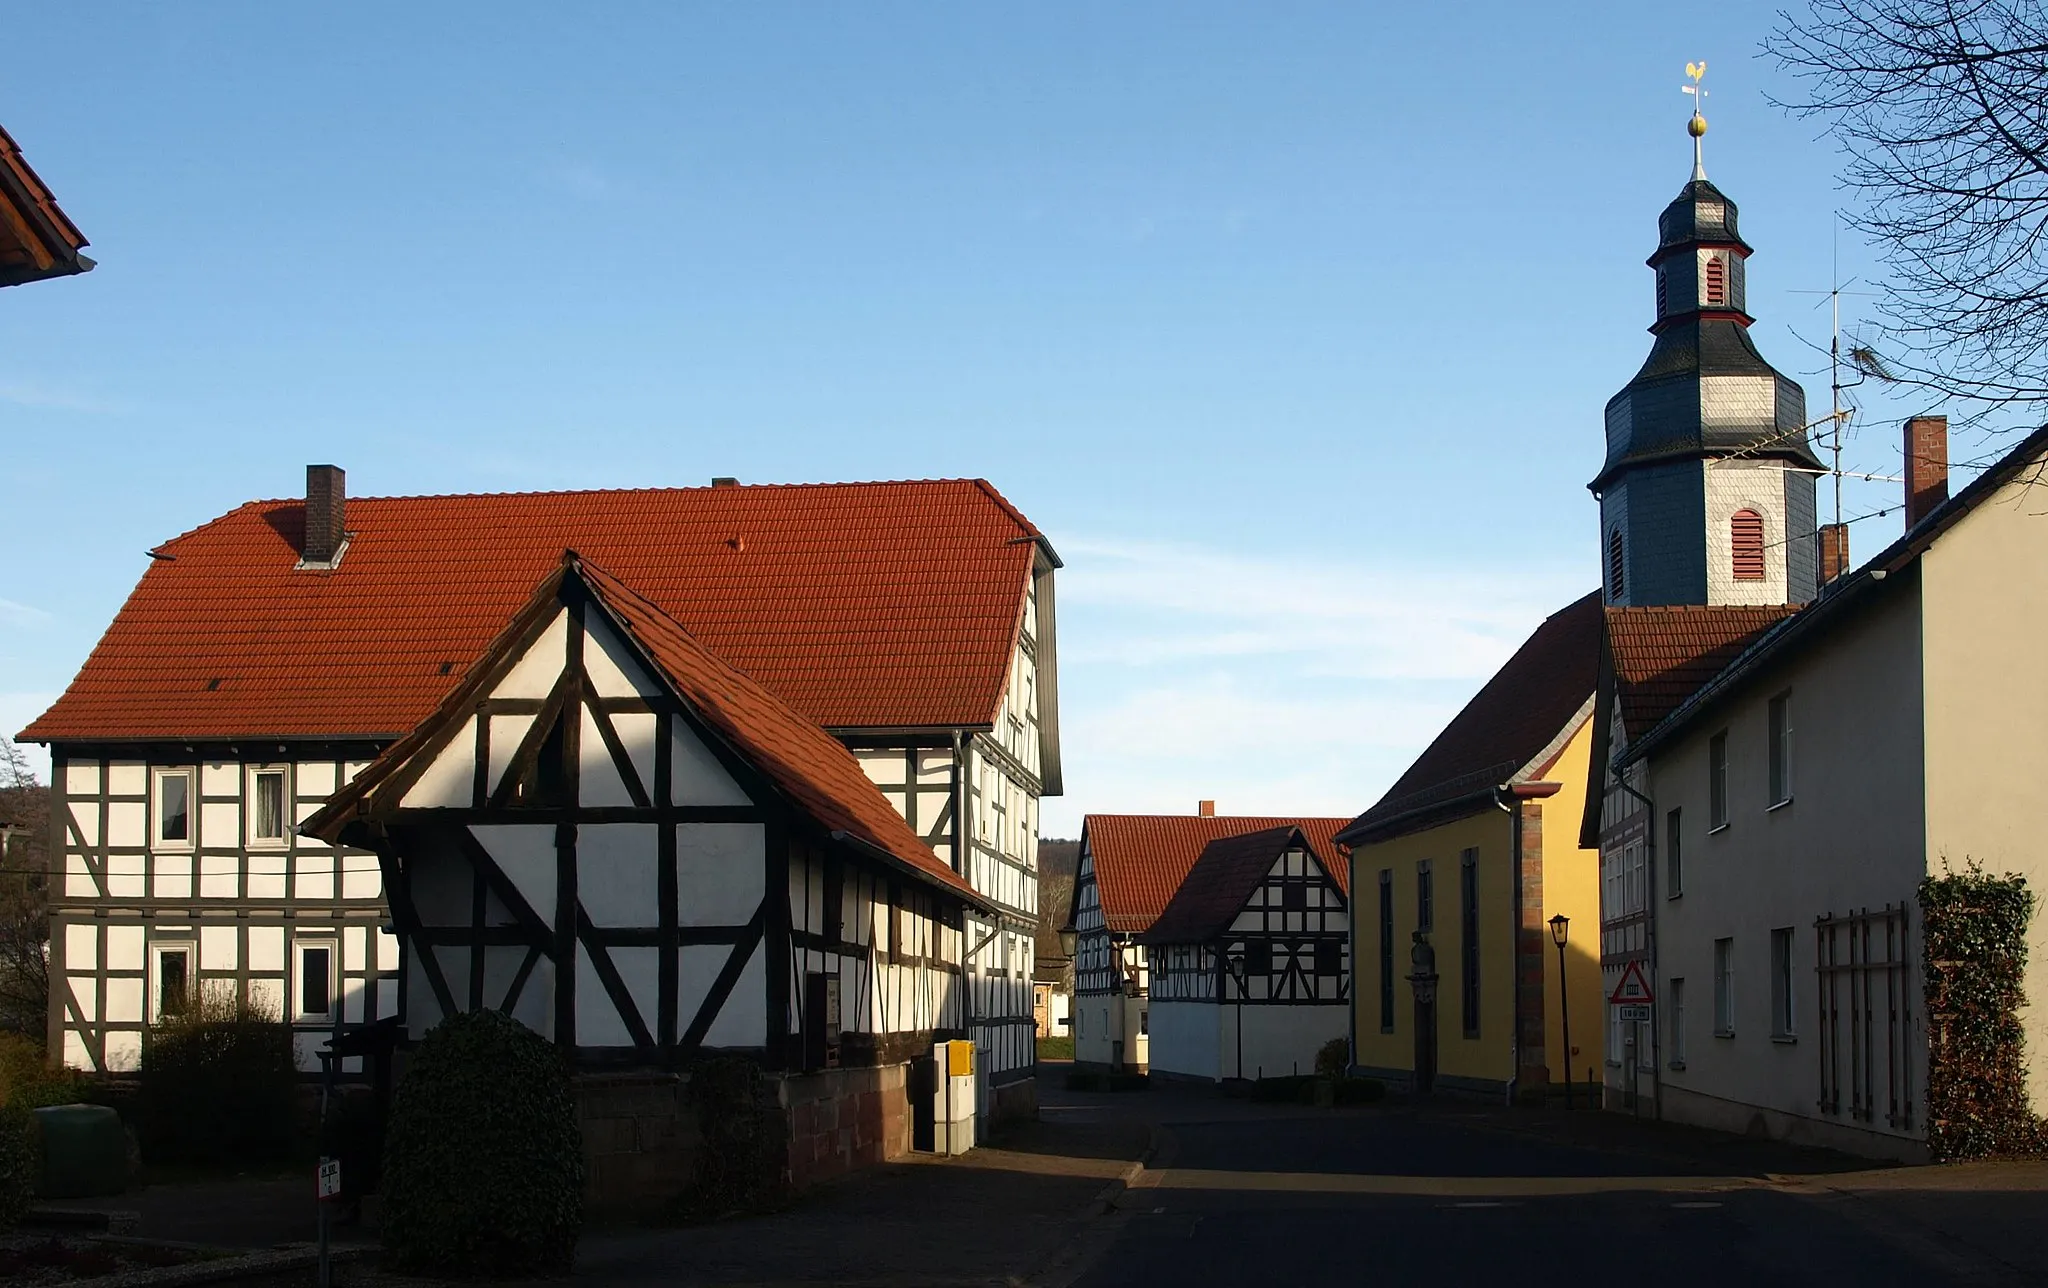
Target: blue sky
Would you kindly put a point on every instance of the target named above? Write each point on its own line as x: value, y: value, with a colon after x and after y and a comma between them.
x: 1291, y: 325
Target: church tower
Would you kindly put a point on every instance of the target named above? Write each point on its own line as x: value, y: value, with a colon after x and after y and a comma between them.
x: 1707, y: 495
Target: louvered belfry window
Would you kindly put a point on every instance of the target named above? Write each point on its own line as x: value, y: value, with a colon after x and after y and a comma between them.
x: 1746, y: 544
x: 1614, y: 565
x: 1717, y: 280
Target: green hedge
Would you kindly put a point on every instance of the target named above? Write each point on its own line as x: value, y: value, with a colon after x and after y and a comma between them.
x: 1975, y: 956
x: 219, y: 1087
x: 19, y: 1167
x: 483, y: 1162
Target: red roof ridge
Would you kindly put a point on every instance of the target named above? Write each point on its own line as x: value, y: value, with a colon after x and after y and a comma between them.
x: 983, y: 484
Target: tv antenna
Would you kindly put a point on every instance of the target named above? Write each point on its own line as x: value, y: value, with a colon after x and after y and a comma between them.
x: 1864, y: 362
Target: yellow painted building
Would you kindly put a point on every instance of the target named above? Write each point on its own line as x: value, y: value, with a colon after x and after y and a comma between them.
x: 1458, y: 871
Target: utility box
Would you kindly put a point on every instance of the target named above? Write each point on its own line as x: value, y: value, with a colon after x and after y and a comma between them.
x: 953, y: 1098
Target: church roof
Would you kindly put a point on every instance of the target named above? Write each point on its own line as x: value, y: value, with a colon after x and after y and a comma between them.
x: 1699, y: 213
x: 1215, y: 889
x: 1537, y: 696
x: 1140, y: 860
x: 809, y: 767
x: 862, y: 605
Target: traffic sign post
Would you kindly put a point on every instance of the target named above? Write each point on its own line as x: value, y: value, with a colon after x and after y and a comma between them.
x: 327, y: 1188
x: 1633, y: 990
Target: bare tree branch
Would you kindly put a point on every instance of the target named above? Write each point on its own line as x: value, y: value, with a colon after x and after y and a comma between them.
x: 1941, y: 111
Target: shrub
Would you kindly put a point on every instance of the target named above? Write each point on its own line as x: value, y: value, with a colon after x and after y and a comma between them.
x: 1975, y: 960
x: 483, y: 1162
x: 1284, y: 1090
x: 742, y: 1165
x: 1333, y: 1058
x: 27, y: 1080
x: 219, y: 1086
x: 1360, y: 1091
x: 19, y: 1165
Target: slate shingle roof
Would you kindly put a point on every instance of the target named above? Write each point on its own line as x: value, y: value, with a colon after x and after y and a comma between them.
x: 1662, y: 655
x: 809, y: 766
x: 861, y: 605
x: 1216, y: 888
x: 1514, y: 716
x: 1141, y: 859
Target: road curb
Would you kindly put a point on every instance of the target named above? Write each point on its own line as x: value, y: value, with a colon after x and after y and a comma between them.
x: 1105, y: 1201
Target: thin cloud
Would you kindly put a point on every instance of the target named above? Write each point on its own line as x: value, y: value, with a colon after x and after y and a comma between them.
x: 44, y: 398
x: 20, y: 614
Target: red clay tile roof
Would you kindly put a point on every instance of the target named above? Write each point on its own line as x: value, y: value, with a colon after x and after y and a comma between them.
x: 1511, y: 720
x: 1141, y: 859
x: 810, y: 767
x: 862, y: 605
x: 1662, y: 655
x: 1215, y: 889
x: 37, y: 239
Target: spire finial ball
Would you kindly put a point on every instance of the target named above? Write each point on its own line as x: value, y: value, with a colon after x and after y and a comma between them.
x: 1696, y: 126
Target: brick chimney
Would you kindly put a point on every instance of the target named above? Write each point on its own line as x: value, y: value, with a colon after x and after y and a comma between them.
x: 326, y: 498
x: 724, y: 480
x: 1926, y: 466
x: 1207, y: 809
x: 1834, y: 551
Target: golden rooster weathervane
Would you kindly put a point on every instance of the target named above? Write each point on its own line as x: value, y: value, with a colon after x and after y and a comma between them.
x: 1697, y: 126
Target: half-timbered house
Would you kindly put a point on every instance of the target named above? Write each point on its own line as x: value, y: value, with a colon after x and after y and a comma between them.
x: 613, y: 836
x: 1129, y: 868
x: 1247, y: 964
x: 269, y: 655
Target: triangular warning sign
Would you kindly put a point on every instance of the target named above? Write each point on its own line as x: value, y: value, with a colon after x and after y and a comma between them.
x: 1633, y: 990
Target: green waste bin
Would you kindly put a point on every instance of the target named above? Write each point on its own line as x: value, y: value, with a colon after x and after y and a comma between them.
x: 84, y: 1150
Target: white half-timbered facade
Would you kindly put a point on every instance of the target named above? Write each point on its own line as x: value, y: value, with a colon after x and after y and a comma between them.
x: 992, y: 778
x: 626, y: 845
x: 932, y: 661
x: 183, y: 872
x: 1131, y: 868
x: 1248, y: 964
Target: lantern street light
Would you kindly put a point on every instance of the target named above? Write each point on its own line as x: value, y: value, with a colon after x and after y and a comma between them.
x: 1235, y: 961
x: 1069, y: 938
x: 1560, y: 929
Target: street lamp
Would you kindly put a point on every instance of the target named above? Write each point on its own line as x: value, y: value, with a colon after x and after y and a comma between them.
x: 1235, y: 961
x: 1560, y: 928
x: 1069, y: 938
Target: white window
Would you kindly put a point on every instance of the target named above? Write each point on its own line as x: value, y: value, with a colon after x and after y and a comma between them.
x: 172, y: 982
x: 267, y: 812
x: 1724, y: 988
x: 1675, y: 1009
x: 174, y: 812
x: 313, y: 980
x: 1781, y: 749
x: 1781, y: 983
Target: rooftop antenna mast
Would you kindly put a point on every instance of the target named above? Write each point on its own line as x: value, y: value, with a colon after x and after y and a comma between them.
x: 1839, y: 417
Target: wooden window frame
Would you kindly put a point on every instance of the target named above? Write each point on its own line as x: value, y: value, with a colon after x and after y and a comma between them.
x: 331, y: 945
x: 188, y: 949
x: 1779, y: 727
x: 157, y: 839
x: 251, y: 796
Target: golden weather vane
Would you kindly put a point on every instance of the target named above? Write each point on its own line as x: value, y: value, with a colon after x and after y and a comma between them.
x: 1697, y: 126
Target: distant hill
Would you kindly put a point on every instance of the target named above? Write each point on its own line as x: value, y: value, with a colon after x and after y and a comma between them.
x: 1058, y: 858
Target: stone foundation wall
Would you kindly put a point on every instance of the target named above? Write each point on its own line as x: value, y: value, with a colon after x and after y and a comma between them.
x: 640, y: 1139
x: 841, y: 1119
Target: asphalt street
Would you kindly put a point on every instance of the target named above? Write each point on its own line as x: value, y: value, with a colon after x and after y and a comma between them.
x: 1398, y: 1197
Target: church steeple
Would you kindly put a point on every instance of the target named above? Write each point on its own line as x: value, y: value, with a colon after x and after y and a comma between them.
x: 1706, y: 447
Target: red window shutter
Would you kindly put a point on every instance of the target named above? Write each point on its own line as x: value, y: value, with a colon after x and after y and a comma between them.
x: 1717, y: 280
x: 1746, y: 542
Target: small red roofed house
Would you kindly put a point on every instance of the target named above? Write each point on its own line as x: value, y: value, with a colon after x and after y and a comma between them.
x: 1130, y: 869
